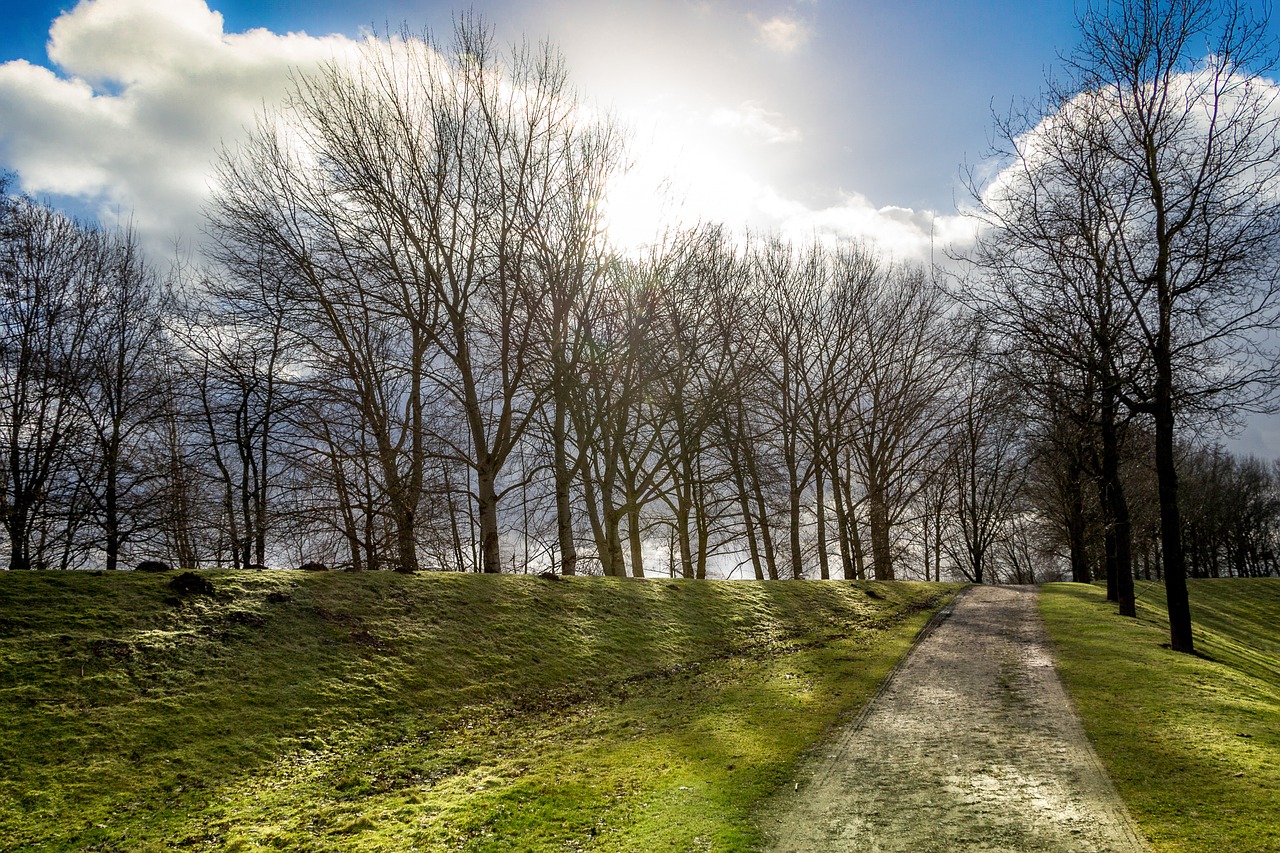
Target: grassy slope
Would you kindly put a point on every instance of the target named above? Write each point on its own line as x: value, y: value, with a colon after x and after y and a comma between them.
x: 1192, y: 742
x: 432, y: 712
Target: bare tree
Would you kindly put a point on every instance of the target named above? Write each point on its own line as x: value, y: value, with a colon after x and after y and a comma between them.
x: 1052, y: 293
x: 693, y: 383
x: 611, y: 384
x: 985, y: 466
x: 742, y: 435
x: 1182, y: 204
x: 235, y: 354
x: 570, y: 255
x: 184, y: 523
x: 854, y: 282
x: 408, y: 208
x: 792, y: 280
x: 46, y: 266
x: 906, y: 361
x: 122, y: 394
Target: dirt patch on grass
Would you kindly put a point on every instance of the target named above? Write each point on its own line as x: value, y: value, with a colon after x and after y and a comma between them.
x: 971, y: 745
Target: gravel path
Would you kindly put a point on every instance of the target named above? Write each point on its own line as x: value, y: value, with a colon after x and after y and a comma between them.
x: 972, y: 745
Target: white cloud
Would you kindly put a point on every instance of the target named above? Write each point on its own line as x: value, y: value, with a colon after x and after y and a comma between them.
x: 780, y: 33
x: 128, y: 42
x: 912, y: 235
x: 147, y: 92
x: 685, y: 173
x: 754, y: 120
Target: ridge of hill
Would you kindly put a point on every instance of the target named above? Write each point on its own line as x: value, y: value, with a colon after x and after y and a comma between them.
x: 336, y: 711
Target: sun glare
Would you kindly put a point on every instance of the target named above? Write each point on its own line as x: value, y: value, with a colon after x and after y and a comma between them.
x: 685, y: 171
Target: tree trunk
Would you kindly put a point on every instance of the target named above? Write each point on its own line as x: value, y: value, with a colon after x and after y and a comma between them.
x: 1075, y: 523
x: 703, y: 527
x: 111, y: 515
x: 855, y: 538
x: 633, y: 538
x: 859, y: 552
x: 842, y: 529
x: 594, y: 516
x: 615, y: 566
x: 1116, y: 506
x: 563, y: 478
x: 797, y: 565
x: 766, y: 531
x: 487, y: 509
x: 744, y: 506
x: 19, y: 522
x: 878, y: 519
x: 1175, y: 567
x: 1108, y: 540
x: 682, y: 534
x: 406, y: 542
x: 1175, y: 577
x: 824, y: 569
x: 244, y: 553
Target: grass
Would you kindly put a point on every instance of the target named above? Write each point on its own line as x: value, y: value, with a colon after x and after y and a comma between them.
x: 1192, y: 741
x: 317, y: 712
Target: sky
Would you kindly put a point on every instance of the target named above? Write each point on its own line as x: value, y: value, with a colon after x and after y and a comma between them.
x: 805, y: 116
x: 855, y: 118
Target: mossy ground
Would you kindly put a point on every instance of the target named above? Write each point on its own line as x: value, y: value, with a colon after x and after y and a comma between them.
x: 304, y: 711
x: 1191, y: 741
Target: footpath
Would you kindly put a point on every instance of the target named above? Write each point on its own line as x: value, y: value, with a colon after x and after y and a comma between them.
x: 971, y: 745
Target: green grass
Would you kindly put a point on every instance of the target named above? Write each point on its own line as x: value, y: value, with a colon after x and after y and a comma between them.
x: 1192, y: 742
x: 429, y: 712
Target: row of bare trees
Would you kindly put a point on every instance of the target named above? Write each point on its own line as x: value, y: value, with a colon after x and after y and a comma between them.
x: 1231, y: 515
x: 418, y: 245
x: 731, y: 403
x: 81, y: 326
x: 758, y: 405
x: 409, y: 344
x: 743, y: 405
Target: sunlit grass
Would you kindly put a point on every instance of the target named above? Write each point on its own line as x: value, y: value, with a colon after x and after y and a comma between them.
x: 433, y: 712
x: 1192, y: 742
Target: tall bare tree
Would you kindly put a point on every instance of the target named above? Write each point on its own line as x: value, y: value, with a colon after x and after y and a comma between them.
x: 906, y: 360
x: 236, y: 354
x: 407, y: 206
x: 792, y: 280
x: 122, y: 393
x: 1166, y: 105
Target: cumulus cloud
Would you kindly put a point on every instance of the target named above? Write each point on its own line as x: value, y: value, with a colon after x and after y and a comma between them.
x: 684, y: 175
x: 145, y: 93
x: 755, y: 121
x: 780, y: 33
x: 128, y: 42
x: 907, y: 234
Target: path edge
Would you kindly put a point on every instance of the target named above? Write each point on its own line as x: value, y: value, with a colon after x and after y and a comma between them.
x: 842, y: 731
x: 1130, y: 825
x: 935, y: 621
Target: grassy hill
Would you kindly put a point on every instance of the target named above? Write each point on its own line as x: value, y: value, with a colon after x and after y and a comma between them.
x: 303, y: 711
x: 1192, y: 741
